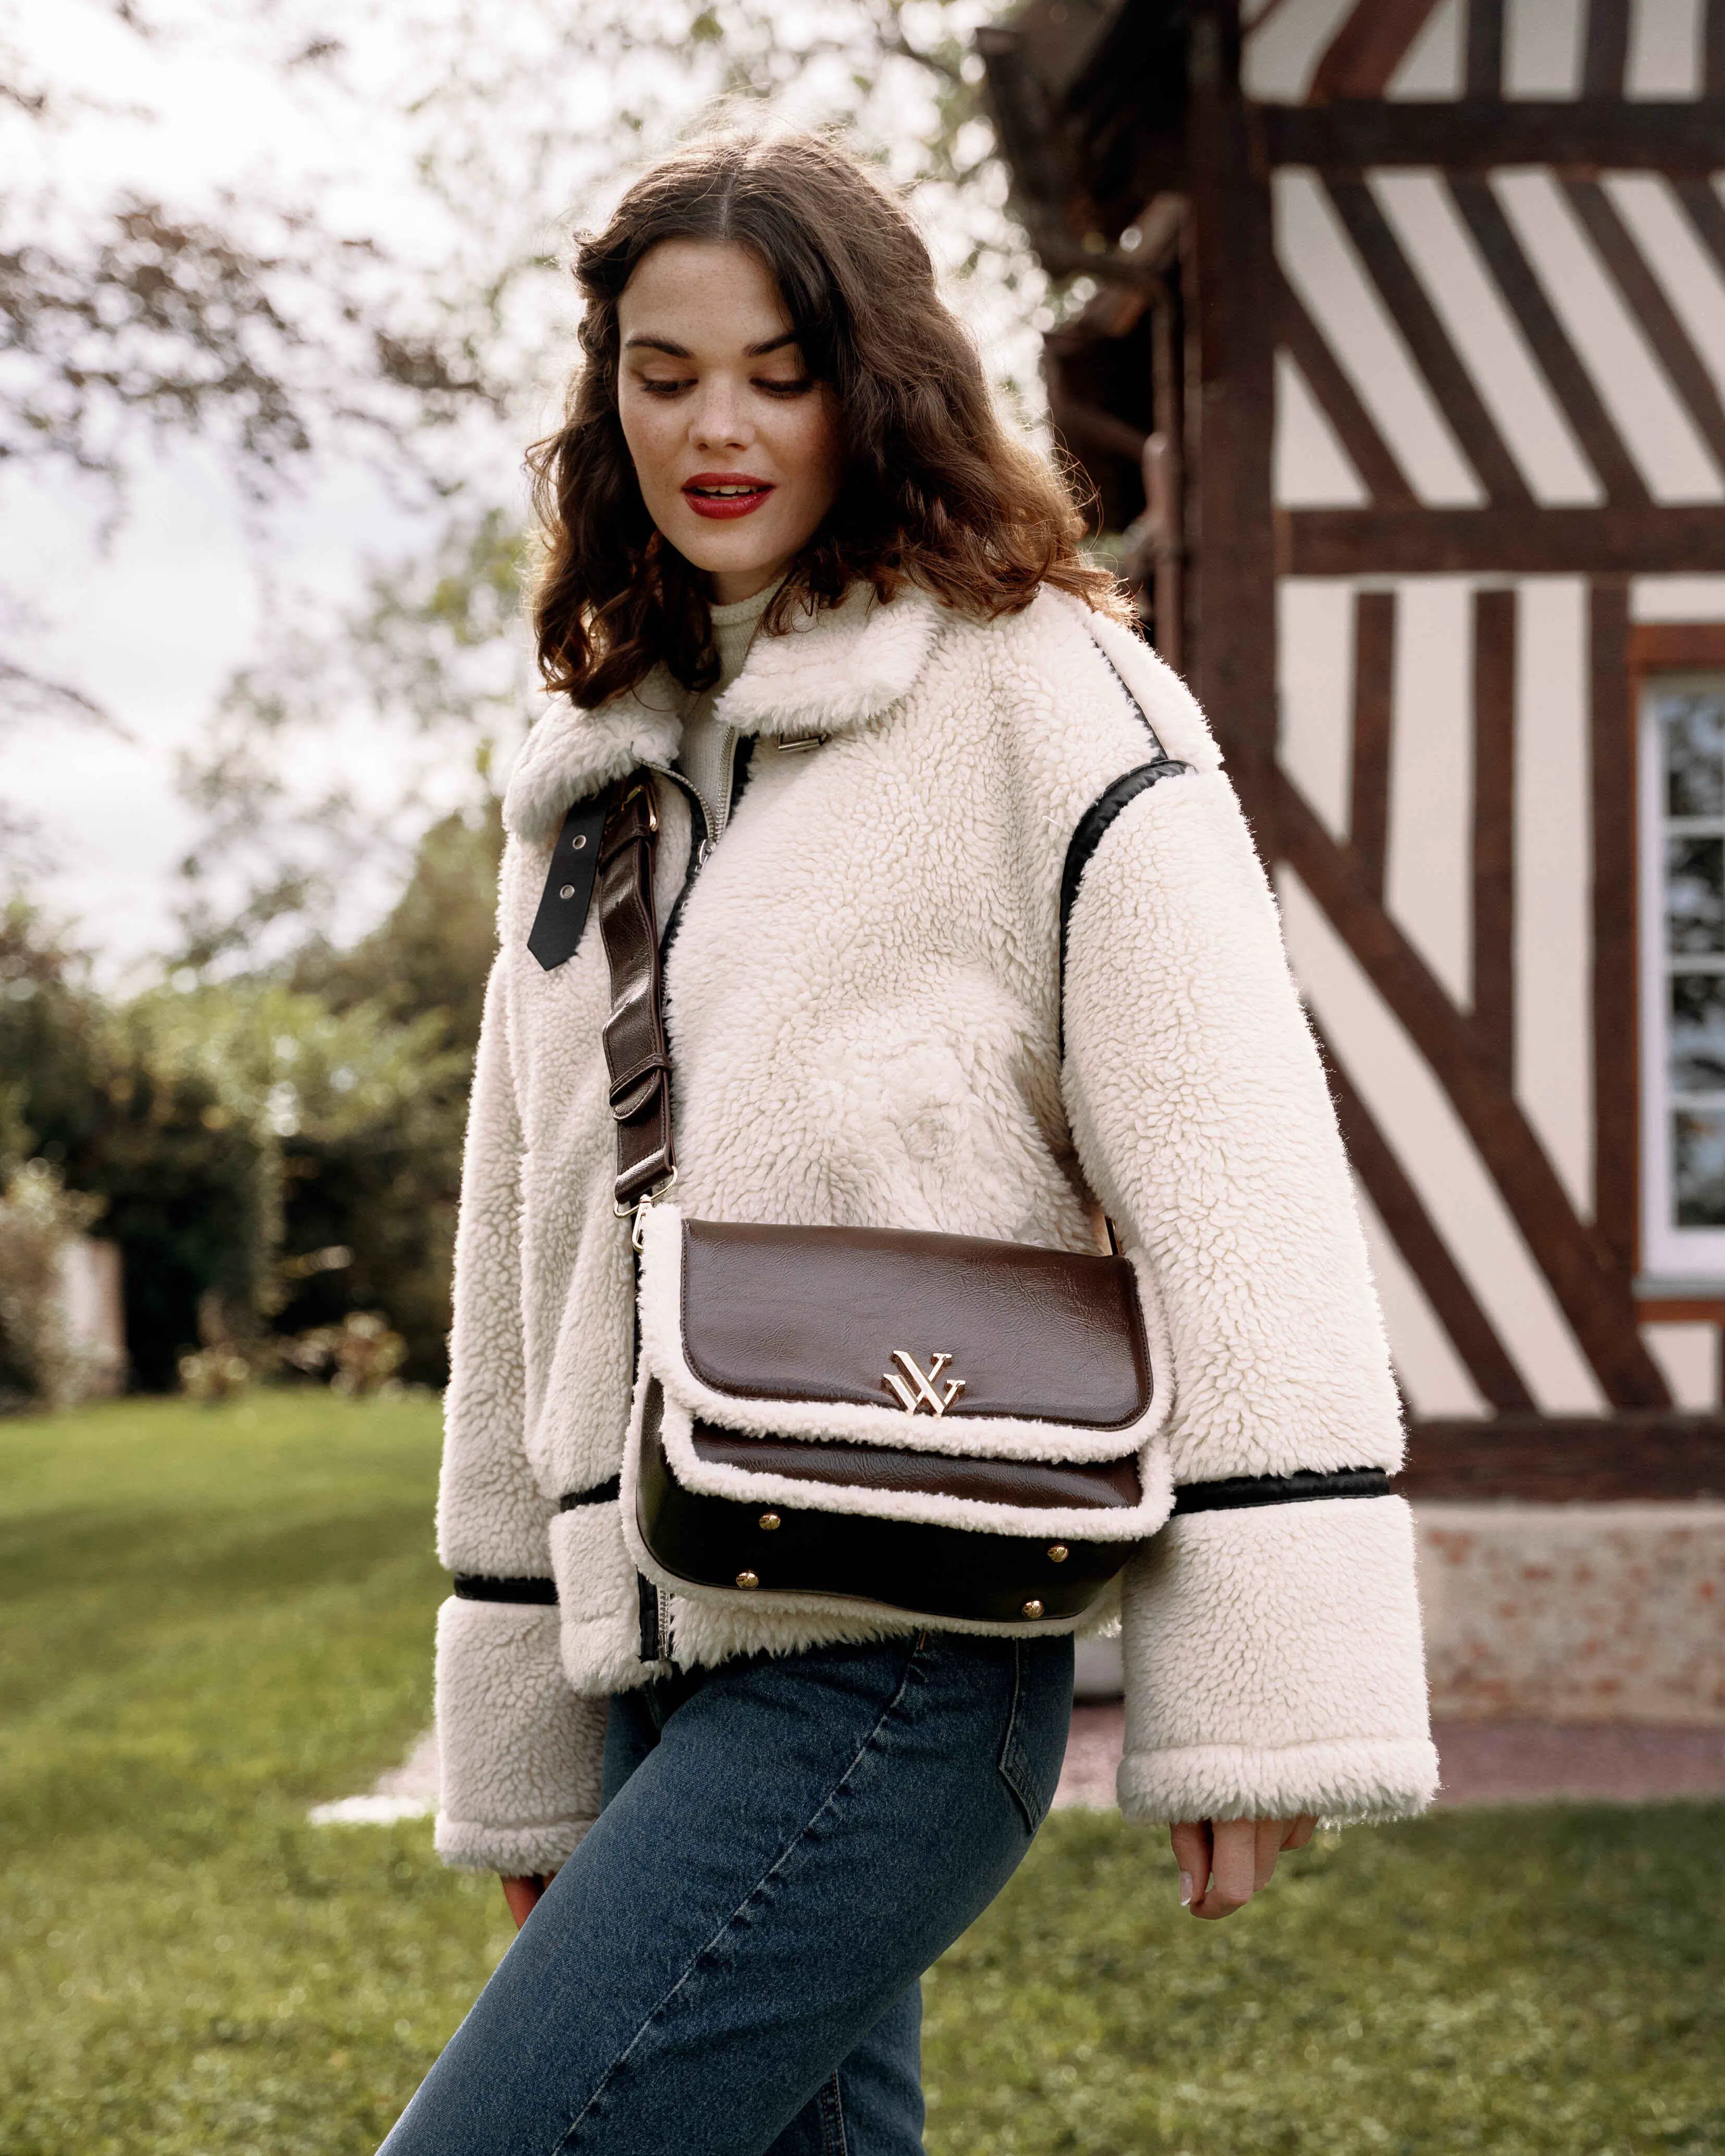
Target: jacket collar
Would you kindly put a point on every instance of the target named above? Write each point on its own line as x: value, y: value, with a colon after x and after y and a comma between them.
x: 834, y: 669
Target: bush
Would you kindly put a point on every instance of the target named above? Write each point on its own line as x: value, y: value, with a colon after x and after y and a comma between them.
x: 278, y: 1154
x: 41, y: 1363
x: 188, y: 1178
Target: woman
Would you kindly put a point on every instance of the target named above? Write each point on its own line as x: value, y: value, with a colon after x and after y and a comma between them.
x: 796, y: 571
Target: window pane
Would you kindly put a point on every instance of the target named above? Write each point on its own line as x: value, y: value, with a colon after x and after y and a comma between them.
x: 1697, y: 1041
x: 1694, y: 725
x: 1698, y: 1167
x: 1695, y: 894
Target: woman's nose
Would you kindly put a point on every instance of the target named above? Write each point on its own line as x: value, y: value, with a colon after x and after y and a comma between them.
x: 717, y: 421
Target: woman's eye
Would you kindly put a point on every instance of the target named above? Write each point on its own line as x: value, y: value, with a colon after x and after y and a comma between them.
x: 657, y: 385
x: 796, y: 386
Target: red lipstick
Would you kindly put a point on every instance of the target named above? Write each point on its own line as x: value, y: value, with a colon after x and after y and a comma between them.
x: 725, y: 494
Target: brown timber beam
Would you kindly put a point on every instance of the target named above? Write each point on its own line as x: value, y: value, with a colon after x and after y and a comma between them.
x: 1707, y: 212
x: 1424, y: 1250
x: 1570, y: 382
x: 1422, y: 329
x: 1566, y: 1459
x: 1605, y: 51
x: 1475, y: 134
x: 1594, y: 1294
x: 1482, y: 49
x: 1232, y: 607
x: 1370, y: 46
x: 1373, y: 703
x: 1678, y: 540
x: 1650, y: 308
x: 1355, y: 429
x: 1494, y: 778
x: 1616, y: 1027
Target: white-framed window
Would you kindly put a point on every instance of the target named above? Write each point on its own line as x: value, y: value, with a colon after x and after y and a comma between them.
x: 1682, y: 985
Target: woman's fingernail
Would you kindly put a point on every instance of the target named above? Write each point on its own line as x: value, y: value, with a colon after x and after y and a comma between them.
x: 1185, y: 1890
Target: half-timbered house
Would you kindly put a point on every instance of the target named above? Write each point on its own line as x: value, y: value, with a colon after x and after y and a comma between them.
x: 1398, y: 374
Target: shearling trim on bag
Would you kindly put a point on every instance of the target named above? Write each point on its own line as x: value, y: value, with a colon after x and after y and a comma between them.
x: 710, y: 1626
x: 1000, y: 1437
x: 1273, y: 1666
x: 522, y: 1755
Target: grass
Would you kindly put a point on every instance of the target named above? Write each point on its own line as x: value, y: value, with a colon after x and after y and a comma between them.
x: 210, y: 1620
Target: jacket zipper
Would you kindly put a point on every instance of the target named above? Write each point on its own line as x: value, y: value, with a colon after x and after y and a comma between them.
x: 707, y: 827
x: 655, y: 1605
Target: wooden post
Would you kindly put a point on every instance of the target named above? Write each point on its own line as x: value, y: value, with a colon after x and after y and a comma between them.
x: 1231, y: 606
x: 1616, y: 1080
x: 1494, y: 767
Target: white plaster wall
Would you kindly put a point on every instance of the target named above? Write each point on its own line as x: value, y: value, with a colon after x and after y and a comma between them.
x: 1315, y: 659
x: 1277, y: 61
x: 1423, y: 218
x: 1322, y: 268
x: 1432, y: 67
x: 1309, y: 469
x: 1541, y: 47
x: 1655, y: 427
x: 1688, y: 1354
x: 1433, y: 1377
x: 1686, y: 270
x: 1665, y: 49
x: 1441, y: 1161
x: 1678, y: 598
x: 1428, y: 882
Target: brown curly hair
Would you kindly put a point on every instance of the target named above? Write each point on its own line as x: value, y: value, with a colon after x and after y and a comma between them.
x: 936, y: 491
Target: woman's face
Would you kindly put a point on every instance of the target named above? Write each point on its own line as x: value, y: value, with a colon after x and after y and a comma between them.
x: 737, y: 450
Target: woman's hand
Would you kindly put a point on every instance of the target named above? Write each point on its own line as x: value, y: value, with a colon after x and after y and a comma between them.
x: 1223, y: 1863
x: 521, y: 1894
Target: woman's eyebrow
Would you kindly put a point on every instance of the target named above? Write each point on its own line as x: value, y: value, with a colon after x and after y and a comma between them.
x: 681, y: 351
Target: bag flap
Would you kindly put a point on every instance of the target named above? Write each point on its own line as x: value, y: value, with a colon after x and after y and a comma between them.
x: 939, y: 1343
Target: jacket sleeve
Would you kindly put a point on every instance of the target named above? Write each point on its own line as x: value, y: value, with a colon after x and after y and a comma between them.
x: 520, y: 1751
x: 1272, y: 1653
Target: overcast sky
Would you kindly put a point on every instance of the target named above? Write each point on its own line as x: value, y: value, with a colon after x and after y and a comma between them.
x: 152, y: 617
x: 151, y: 611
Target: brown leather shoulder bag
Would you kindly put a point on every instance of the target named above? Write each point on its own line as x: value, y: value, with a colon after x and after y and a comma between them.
x: 963, y: 1430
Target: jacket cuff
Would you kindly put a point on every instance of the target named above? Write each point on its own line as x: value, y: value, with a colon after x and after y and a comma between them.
x: 1273, y: 1666
x: 521, y: 1753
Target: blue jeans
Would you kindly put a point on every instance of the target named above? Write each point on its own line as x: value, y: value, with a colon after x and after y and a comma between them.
x: 728, y: 1964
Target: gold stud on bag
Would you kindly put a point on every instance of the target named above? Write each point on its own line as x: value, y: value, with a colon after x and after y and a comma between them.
x: 770, y: 1446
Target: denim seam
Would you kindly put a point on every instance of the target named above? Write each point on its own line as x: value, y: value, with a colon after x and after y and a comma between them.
x: 777, y: 1866
x: 1011, y: 1773
x: 832, y: 2119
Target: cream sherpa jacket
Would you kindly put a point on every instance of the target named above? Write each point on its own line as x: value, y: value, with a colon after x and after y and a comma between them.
x: 863, y: 1000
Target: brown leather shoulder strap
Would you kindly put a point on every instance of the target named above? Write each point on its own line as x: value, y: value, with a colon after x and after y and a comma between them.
x: 635, y: 1053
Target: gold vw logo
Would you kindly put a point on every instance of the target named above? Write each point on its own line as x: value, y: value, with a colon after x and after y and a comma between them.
x: 915, y: 1391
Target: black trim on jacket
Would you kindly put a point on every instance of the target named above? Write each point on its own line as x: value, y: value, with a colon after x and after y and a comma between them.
x: 475, y: 1587
x: 1238, y: 1491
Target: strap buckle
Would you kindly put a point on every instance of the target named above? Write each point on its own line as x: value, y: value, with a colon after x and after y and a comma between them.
x: 639, y: 1208
x: 641, y: 789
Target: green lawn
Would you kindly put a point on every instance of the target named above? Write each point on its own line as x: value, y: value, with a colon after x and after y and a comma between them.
x: 213, y: 1618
